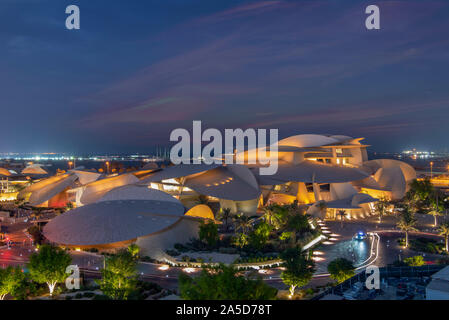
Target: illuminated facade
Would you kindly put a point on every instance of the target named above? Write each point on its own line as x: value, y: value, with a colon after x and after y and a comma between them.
x: 330, y: 172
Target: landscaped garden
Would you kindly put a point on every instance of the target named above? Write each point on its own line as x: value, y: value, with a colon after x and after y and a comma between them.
x: 250, y: 239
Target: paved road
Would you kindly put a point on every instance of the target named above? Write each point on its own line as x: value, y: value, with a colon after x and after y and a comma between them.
x: 339, y: 245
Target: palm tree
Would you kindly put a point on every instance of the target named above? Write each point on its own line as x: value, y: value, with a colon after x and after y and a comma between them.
x: 407, y: 223
x: 280, y: 216
x: 444, y: 231
x: 225, y: 215
x: 410, y: 201
x: 243, y: 223
x: 435, y: 214
x: 381, y: 208
x: 268, y: 214
x: 342, y: 215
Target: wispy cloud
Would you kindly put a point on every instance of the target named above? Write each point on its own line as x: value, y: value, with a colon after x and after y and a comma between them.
x: 237, y: 62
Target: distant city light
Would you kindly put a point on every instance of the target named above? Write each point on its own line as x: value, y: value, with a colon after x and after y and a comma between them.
x: 189, y: 270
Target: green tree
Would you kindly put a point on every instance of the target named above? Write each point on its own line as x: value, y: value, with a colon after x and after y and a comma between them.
x: 280, y: 216
x: 298, y: 223
x: 421, y: 191
x: 341, y: 269
x: 223, y: 283
x: 225, y: 215
x: 241, y: 240
x: 435, y: 214
x: 268, y: 214
x: 208, y: 233
x: 342, y: 215
x: 422, y: 188
x: 406, y: 223
x: 415, y: 261
x: 36, y: 234
x: 243, y: 223
x: 48, y: 265
x: 11, y: 280
x: 381, y: 207
x: 119, y: 277
x: 444, y: 231
x: 285, y: 235
x: 259, y: 237
x: 298, y: 269
x: 410, y: 201
x: 134, y: 250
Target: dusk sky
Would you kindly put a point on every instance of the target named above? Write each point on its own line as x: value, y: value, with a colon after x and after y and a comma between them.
x: 138, y: 69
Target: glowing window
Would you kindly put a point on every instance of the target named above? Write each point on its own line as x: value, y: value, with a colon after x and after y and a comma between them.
x: 172, y: 181
x: 170, y: 188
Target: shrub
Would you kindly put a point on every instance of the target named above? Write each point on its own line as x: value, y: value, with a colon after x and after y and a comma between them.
x: 147, y: 259
x: 415, y: 261
x: 341, y: 269
x: 180, y: 247
x: 172, y: 253
x: 147, y: 286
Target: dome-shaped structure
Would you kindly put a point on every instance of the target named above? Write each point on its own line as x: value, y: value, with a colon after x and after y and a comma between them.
x: 177, y: 171
x: 4, y: 172
x: 45, y: 190
x: 109, y: 222
x: 201, y: 211
x: 134, y: 192
x: 312, y: 171
x: 342, y: 138
x: 307, y: 141
x: 232, y: 182
x: 93, y: 191
x: 34, y: 169
x: 391, y: 175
